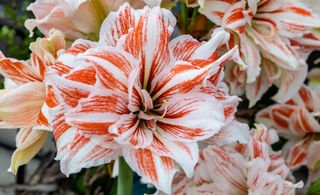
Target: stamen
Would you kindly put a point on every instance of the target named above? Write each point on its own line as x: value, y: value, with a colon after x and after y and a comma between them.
x: 165, y: 103
x: 144, y: 116
x: 146, y: 100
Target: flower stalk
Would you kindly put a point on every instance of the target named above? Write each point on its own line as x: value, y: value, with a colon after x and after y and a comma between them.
x: 125, y: 178
x: 184, y: 15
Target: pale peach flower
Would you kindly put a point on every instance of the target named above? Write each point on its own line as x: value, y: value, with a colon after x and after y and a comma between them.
x: 23, y: 105
x: 75, y: 18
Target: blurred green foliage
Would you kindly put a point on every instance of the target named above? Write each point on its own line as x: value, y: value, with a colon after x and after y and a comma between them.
x: 314, y: 188
x: 14, y: 37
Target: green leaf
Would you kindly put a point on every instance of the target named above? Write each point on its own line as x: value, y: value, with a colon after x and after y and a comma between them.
x: 79, y: 184
x: 125, y: 178
x: 314, y: 188
x: 184, y: 15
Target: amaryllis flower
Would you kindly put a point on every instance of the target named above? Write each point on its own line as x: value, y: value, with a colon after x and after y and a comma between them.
x: 23, y: 105
x: 138, y: 95
x: 77, y: 19
x: 270, y: 35
x: 297, y: 120
x: 251, y: 168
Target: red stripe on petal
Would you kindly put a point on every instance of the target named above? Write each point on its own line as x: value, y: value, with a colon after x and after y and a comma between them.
x: 96, y: 153
x: 153, y: 168
x: 147, y: 168
x: 86, y: 76
x: 168, y: 164
x: 72, y: 95
x: 42, y: 120
x: 218, y: 13
x: 297, y: 154
x: 116, y: 59
x: 177, y: 130
x: 40, y: 66
x: 229, y: 111
x: 77, y: 143
x: 182, y: 78
x: 300, y: 11
x: 93, y: 127
x: 61, y: 68
x: 183, y: 47
x: 148, y: 42
x: 18, y: 71
x: 105, y: 104
x: 78, y: 48
x: 225, y: 163
x: 281, y: 116
x: 307, y: 97
x: 191, y: 116
x: 141, y: 137
x: 116, y: 25
x: 159, y: 146
x: 51, y: 99
x: 132, y: 131
x: 109, y: 80
x: 59, y: 126
x: 235, y: 16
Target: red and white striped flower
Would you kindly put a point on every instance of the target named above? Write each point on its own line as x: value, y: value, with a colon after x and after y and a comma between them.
x: 136, y: 93
x: 23, y: 106
x: 297, y: 120
x: 270, y: 35
x: 251, y: 168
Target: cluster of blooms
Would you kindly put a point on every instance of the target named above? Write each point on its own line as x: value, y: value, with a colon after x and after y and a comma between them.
x: 252, y: 168
x: 273, y: 38
x: 297, y: 120
x: 117, y: 84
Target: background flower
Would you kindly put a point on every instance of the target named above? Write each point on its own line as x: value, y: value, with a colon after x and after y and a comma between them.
x: 76, y: 19
x: 269, y: 35
x: 23, y: 106
x: 297, y: 120
x: 251, y: 168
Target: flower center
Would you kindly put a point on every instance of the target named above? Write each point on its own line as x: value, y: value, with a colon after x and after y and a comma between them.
x: 149, y: 112
x: 145, y: 114
x: 147, y: 103
x: 146, y: 106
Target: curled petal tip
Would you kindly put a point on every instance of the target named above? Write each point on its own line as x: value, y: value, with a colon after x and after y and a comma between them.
x: 12, y: 170
x: 30, y: 24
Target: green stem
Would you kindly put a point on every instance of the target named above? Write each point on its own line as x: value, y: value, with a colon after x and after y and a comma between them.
x: 125, y: 178
x: 184, y: 15
x: 194, y: 16
x: 314, y: 188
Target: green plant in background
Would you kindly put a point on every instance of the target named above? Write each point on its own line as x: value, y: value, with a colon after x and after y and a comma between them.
x: 14, y: 38
x: 314, y: 188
